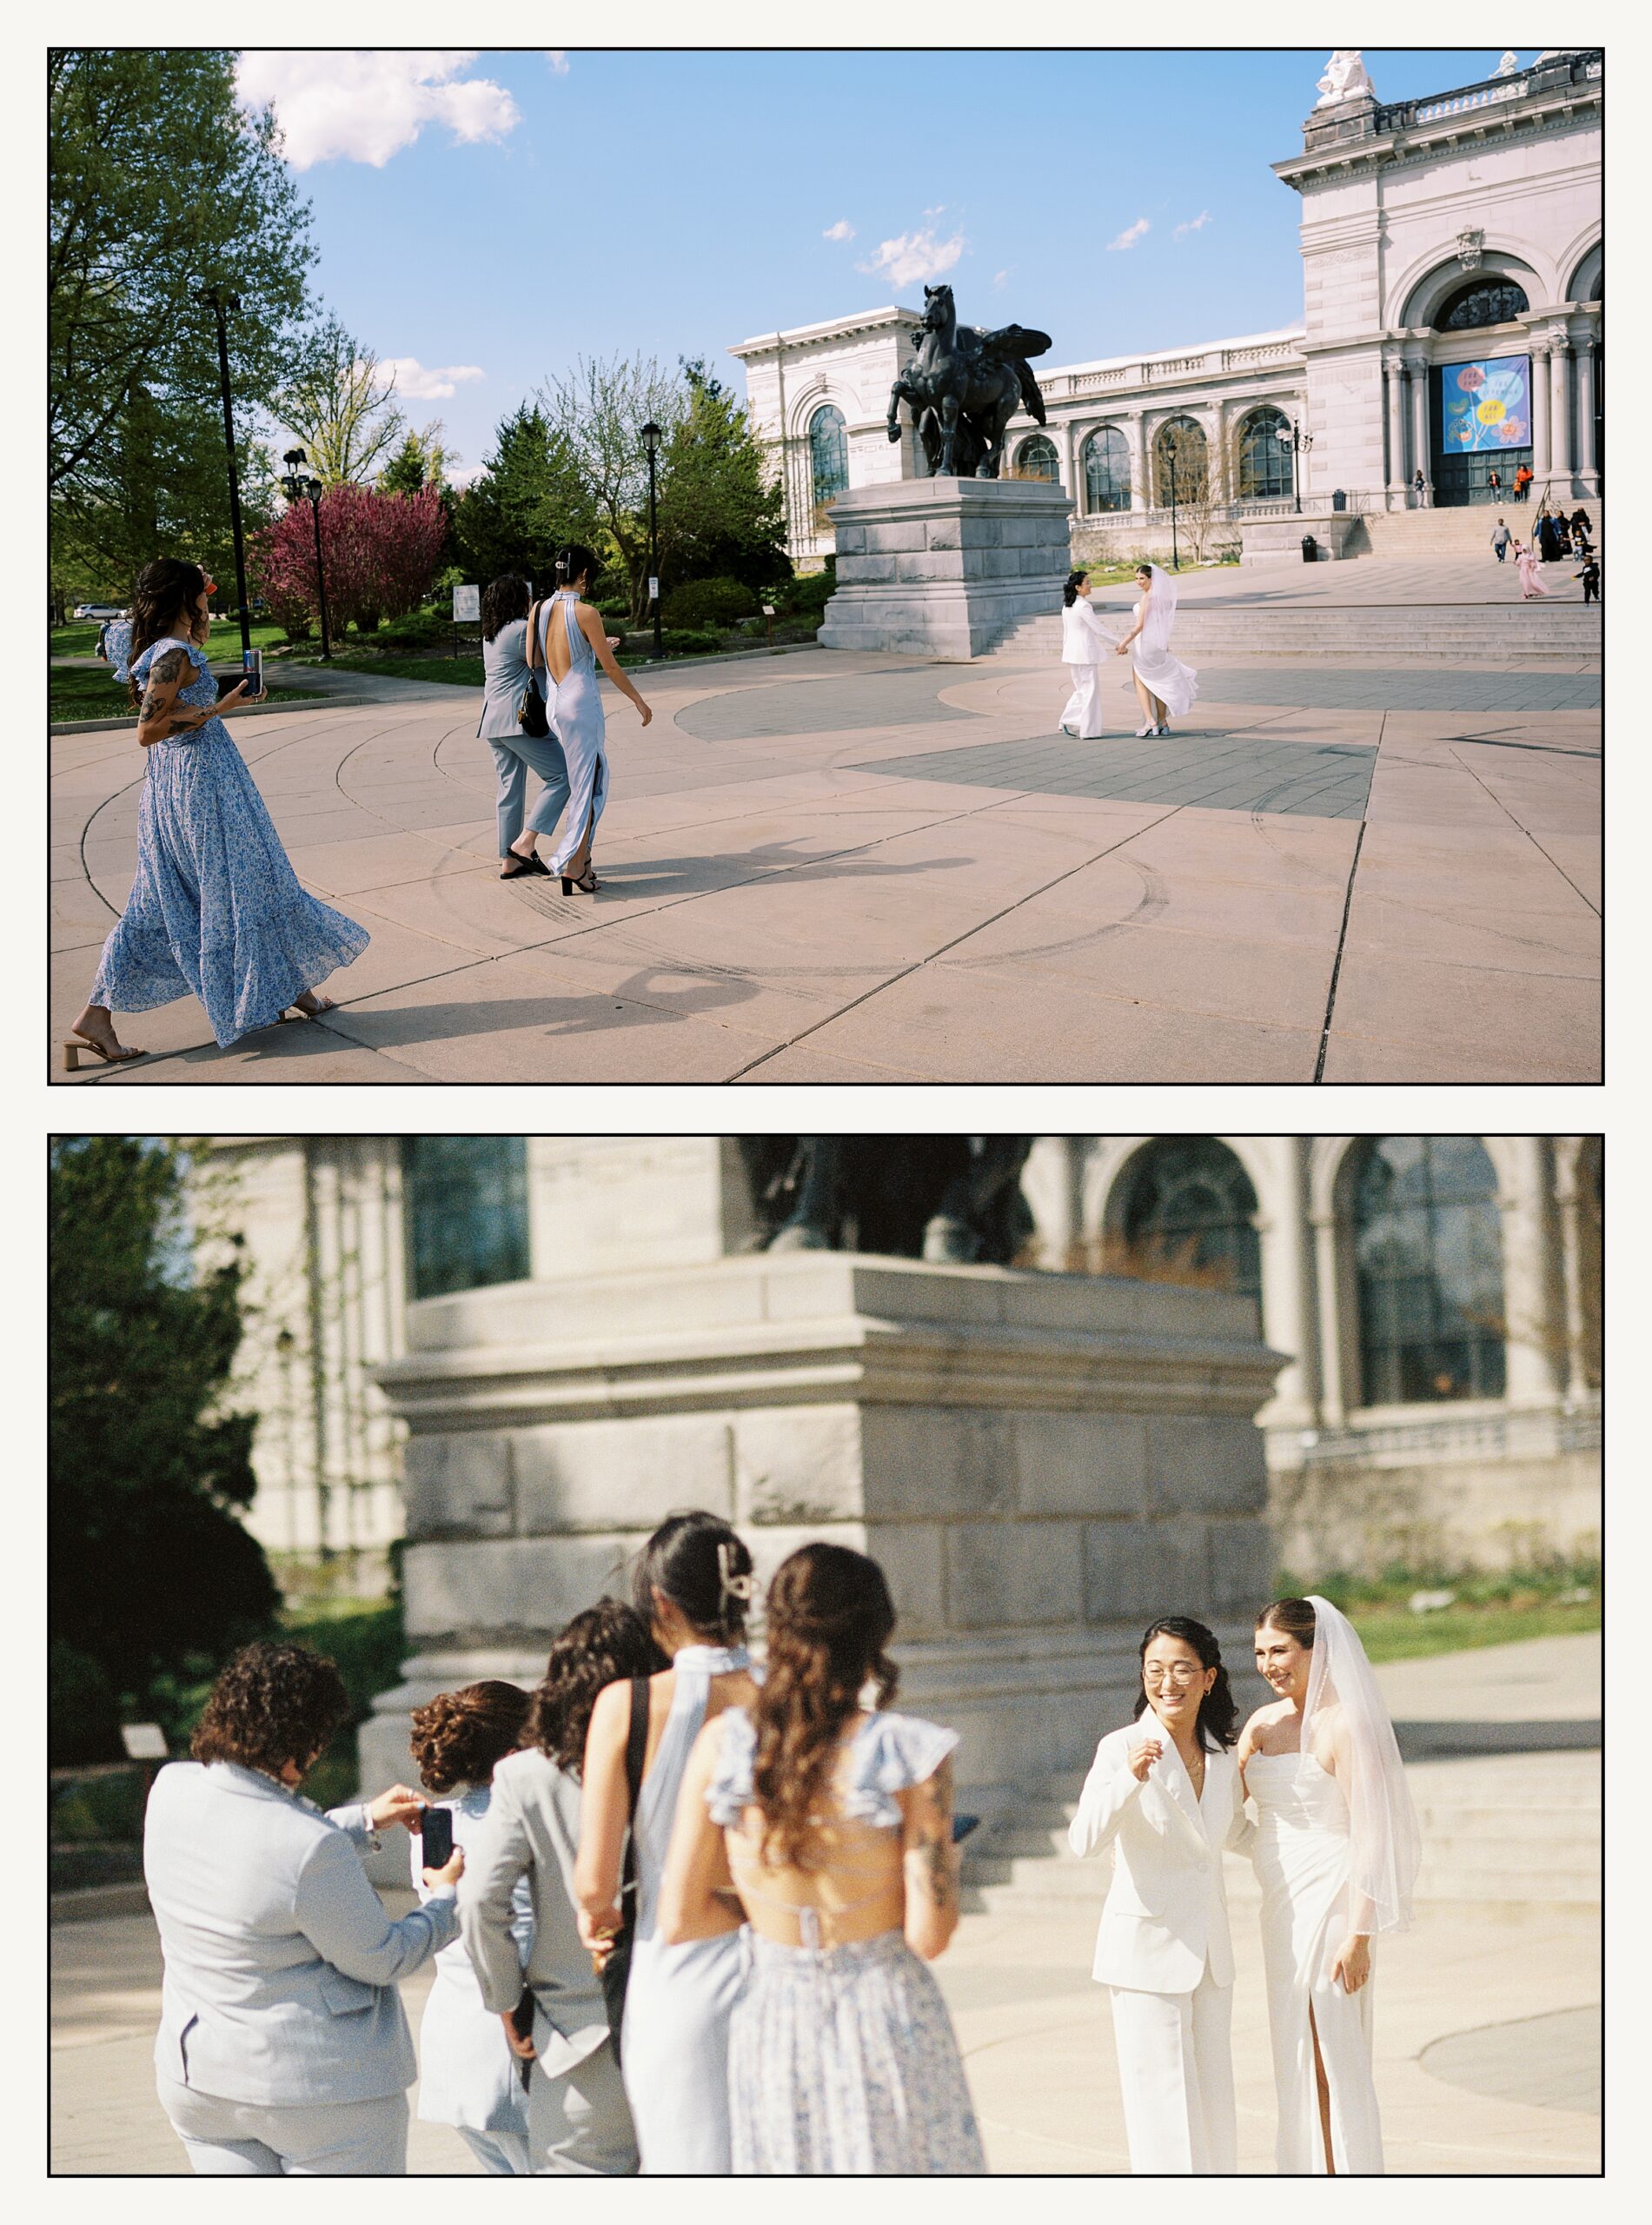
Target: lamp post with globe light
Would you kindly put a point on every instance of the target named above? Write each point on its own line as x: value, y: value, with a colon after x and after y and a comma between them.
x: 1298, y: 443
x: 299, y: 487
x: 650, y: 435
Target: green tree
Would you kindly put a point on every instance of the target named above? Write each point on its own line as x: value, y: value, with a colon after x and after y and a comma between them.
x: 159, y: 184
x: 422, y: 461
x: 341, y: 406
x: 528, y: 496
x: 721, y: 516
x: 150, y: 1574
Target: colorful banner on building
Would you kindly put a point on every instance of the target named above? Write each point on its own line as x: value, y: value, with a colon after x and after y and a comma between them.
x: 1486, y: 405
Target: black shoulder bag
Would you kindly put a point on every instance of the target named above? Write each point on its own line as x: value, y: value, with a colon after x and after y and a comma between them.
x: 617, y: 1969
x: 530, y: 710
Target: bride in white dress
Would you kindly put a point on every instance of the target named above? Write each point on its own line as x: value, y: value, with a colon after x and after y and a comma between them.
x: 1165, y: 686
x: 1336, y: 1852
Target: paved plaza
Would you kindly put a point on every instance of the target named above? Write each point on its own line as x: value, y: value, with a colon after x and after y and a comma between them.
x: 1487, y: 2013
x: 842, y: 867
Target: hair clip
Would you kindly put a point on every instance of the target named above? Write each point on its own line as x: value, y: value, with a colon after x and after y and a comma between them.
x: 730, y: 1586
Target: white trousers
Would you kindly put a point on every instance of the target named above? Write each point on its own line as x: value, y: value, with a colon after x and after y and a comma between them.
x: 1176, y: 2070
x: 1082, y: 714
x: 317, y: 2140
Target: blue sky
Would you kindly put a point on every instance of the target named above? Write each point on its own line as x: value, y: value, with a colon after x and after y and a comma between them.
x: 511, y: 211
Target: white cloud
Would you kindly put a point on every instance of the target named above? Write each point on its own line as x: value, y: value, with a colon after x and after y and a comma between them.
x: 557, y: 57
x: 1194, y: 224
x: 362, y: 105
x: 914, y: 256
x: 1001, y: 277
x: 1130, y: 233
x: 414, y: 381
x: 843, y: 230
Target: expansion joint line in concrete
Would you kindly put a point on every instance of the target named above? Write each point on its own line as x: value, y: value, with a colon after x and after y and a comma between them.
x: 930, y: 957
x: 1341, y: 931
x: 1521, y: 829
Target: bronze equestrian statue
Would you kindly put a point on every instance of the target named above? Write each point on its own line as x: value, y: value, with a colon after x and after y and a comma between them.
x: 954, y: 1199
x: 963, y: 386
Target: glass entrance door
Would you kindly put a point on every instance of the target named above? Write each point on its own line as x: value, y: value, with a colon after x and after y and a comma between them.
x: 1480, y: 415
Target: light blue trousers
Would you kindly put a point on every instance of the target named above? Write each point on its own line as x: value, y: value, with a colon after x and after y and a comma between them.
x: 501, y: 2154
x: 579, y: 2123
x: 322, y: 2140
x: 514, y: 756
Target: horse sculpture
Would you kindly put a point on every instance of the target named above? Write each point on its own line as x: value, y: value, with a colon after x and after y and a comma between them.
x: 941, y: 1198
x: 963, y: 386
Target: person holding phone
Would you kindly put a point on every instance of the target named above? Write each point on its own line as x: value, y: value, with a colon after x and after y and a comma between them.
x: 283, y: 2048
x: 467, y: 2075
x: 829, y: 1824
x: 1164, y: 1793
x: 578, y: 2117
x: 216, y: 911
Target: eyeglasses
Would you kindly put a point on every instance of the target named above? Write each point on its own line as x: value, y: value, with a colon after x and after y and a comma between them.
x: 1178, y: 1675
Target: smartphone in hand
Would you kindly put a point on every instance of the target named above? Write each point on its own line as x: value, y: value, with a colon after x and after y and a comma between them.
x: 252, y: 666
x: 436, y: 1832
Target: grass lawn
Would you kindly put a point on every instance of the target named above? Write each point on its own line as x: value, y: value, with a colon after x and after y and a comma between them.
x: 79, y: 637
x: 1391, y: 1633
x: 455, y: 672
x: 71, y: 694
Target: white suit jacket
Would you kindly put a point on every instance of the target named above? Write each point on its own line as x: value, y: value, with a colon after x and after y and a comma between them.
x: 281, y: 1962
x: 1166, y: 1912
x: 1084, y: 638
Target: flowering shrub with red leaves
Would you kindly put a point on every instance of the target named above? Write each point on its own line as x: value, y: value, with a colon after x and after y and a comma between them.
x: 379, y: 552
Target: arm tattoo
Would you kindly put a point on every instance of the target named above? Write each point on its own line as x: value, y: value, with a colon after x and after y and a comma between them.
x: 168, y: 666
x: 937, y: 1866
x: 165, y: 671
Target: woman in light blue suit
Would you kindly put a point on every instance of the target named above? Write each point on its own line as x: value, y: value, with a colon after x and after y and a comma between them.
x: 283, y: 2049
x: 467, y: 2075
x: 506, y: 676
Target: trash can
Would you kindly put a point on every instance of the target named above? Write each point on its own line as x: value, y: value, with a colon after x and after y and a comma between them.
x: 1310, y: 549
x: 1339, y: 499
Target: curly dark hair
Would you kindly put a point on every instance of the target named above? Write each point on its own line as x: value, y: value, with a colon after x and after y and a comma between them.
x: 1216, y: 1725
x: 271, y: 1705
x: 502, y: 599
x: 166, y: 593
x: 458, y: 1736
x: 598, y: 1647
x: 829, y: 1617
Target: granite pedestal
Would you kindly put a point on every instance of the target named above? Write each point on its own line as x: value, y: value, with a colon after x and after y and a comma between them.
x: 945, y: 568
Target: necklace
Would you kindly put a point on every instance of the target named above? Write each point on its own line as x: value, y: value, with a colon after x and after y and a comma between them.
x: 1196, y: 1772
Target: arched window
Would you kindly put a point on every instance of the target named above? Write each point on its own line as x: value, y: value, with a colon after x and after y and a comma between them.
x: 828, y: 454
x: 465, y: 1198
x: 1106, y: 455
x: 1189, y: 1205
x: 1179, y: 444
x: 1265, y: 465
x: 1036, y: 458
x: 1428, y: 1258
x: 1483, y: 300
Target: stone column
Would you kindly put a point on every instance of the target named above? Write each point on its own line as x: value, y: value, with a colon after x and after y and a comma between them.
x: 1035, y: 1460
x: 1334, y: 1398
x: 1560, y: 415
x: 1141, y: 491
x: 1065, y: 452
x: 1533, y: 1334
x: 1287, y: 1289
x: 1540, y: 434
x: 1588, y: 461
x: 1568, y: 1201
x: 1418, y: 370
x: 1394, y: 380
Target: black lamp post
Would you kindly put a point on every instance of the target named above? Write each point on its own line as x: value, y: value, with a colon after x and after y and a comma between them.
x: 651, y: 433
x: 298, y: 488
x: 1298, y: 442
x: 1169, y: 440
x: 219, y: 303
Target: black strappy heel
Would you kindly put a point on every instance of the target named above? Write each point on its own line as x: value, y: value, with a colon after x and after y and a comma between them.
x: 587, y: 884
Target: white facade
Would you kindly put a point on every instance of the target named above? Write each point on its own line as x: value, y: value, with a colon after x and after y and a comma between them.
x: 1401, y: 206
x: 1356, y: 1477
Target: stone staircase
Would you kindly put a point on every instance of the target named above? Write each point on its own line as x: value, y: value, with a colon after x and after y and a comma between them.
x: 1462, y: 532
x: 1471, y: 635
x: 1505, y: 1829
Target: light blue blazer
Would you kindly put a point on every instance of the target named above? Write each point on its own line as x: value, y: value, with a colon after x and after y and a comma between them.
x: 281, y: 1962
x: 505, y: 674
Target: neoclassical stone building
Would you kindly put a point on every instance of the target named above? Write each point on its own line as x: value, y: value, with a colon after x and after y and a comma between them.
x: 1434, y: 1300
x: 1452, y: 324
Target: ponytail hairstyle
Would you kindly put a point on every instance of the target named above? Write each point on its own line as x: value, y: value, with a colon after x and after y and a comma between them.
x: 163, y: 601
x: 502, y: 601
x: 1215, y: 1727
x: 573, y: 561
x: 829, y: 1618
x: 1295, y: 1617
x: 458, y: 1736
x: 1070, y: 592
x: 703, y: 1568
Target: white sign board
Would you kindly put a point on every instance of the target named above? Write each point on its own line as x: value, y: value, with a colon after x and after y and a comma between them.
x: 144, y: 1742
x: 466, y: 603
x: 654, y: 590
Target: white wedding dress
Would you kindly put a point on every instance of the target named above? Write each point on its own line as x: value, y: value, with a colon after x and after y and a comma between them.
x: 1174, y: 683
x: 1303, y: 1855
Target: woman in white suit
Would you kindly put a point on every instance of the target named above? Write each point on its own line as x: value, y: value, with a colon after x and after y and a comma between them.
x: 283, y: 2049
x: 467, y: 2075
x: 1084, y: 644
x: 1165, y: 1795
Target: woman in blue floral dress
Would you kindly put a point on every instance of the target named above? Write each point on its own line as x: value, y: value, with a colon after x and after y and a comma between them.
x: 831, y: 1825
x: 215, y: 912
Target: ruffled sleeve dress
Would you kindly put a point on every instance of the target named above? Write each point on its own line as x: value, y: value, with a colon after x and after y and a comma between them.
x: 842, y: 2060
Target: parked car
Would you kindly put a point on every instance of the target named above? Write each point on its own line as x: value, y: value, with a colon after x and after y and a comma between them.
x: 98, y: 610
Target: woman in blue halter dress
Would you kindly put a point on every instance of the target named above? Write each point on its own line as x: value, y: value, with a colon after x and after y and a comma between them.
x: 570, y: 637
x: 216, y: 911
